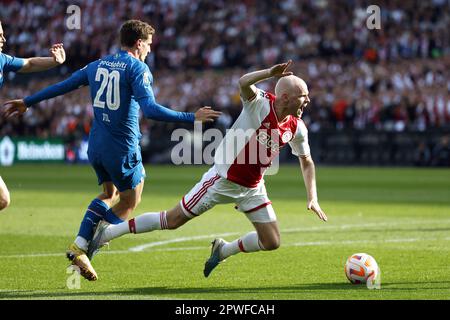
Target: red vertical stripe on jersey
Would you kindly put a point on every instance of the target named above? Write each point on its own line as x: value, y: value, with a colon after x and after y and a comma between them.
x: 205, y: 186
x: 186, y: 208
x: 199, y: 196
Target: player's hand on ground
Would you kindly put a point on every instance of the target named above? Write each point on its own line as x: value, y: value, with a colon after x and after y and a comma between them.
x: 206, y: 114
x: 279, y: 70
x: 58, y: 53
x: 314, y: 206
x: 13, y: 108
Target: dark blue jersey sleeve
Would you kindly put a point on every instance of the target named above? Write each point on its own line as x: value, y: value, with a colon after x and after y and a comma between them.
x: 12, y: 63
x: 75, y: 81
x: 142, y: 90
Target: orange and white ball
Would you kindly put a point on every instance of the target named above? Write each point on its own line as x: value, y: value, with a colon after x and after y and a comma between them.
x: 360, y: 267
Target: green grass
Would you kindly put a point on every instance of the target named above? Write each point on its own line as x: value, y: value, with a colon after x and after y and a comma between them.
x: 399, y: 216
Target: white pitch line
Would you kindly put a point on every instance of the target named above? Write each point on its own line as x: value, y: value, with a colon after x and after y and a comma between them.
x: 363, y: 225
x: 161, y: 243
x: 141, y: 248
x: 212, y: 236
x: 323, y: 228
x: 324, y: 243
x: 298, y: 244
x: 33, y: 255
x: 46, y: 255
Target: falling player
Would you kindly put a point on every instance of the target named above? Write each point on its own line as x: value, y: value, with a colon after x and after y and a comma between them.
x: 275, y: 120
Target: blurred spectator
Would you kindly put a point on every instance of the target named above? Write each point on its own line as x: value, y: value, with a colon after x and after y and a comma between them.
x: 362, y: 97
x: 441, y: 153
x: 231, y: 33
x: 422, y: 155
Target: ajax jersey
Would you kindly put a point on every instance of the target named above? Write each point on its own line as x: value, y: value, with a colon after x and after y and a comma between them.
x: 255, y: 139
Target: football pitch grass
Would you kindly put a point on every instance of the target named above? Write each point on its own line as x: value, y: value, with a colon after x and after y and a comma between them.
x: 400, y: 216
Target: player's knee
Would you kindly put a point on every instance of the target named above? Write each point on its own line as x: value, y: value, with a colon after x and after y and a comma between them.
x: 270, y: 243
x: 5, y: 201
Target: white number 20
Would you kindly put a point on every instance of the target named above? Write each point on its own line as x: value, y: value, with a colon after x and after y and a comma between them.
x: 110, y: 81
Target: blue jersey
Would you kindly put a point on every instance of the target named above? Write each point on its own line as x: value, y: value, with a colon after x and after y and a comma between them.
x: 8, y: 63
x: 116, y: 83
x: 119, y: 85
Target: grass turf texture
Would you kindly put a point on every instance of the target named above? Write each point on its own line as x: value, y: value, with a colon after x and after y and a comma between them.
x: 399, y: 216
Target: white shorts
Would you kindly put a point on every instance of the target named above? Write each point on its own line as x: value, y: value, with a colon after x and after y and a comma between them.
x: 213, y: 189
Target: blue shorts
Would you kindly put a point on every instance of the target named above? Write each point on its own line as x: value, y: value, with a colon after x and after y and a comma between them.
x: 125, y: 172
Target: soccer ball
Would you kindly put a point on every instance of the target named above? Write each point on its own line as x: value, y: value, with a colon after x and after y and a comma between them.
x: 361, y: 268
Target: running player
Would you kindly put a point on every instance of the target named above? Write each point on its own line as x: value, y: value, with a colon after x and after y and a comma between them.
x: 119, y: 84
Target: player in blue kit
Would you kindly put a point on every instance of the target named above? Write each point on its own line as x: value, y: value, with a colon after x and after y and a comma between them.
x: 119, y: 84
x: 14, y: 64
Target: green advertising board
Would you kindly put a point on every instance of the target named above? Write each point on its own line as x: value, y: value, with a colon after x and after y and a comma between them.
x: 30, y: 150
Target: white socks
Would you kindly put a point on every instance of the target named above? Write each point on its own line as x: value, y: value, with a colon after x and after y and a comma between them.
x: 143, y: 223
x: 247, y: 243
x: 81, y: 243
x: 158, y: 221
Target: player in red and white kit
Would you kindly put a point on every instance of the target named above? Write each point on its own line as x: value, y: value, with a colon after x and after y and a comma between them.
x: 266, y: 123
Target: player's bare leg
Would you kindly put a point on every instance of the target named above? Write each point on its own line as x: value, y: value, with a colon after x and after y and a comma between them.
x: 176, y: 217
x: 266, y: 237
x: 110, y: 194
x: 5, y: 199
x: 128, y: 201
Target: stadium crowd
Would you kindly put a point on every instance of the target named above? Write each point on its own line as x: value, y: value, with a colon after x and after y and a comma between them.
x: 396, y: 78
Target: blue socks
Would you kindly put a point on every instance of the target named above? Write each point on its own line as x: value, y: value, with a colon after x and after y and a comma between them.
x: 96, y: 211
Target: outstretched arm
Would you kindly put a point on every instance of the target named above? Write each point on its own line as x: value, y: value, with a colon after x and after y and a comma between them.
x: 155, y: 111
x: 309, y: 176
x: 247, y: 81
x: 17, y: 107
x: 44, y: 63
x: 144, y: 95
